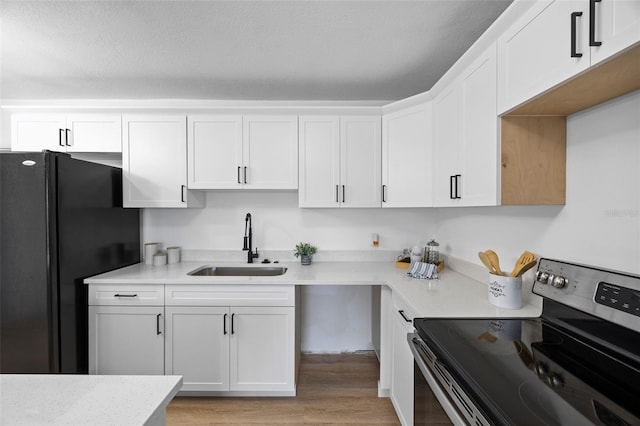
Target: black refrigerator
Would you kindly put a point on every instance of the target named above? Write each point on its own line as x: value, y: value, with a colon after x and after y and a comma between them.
x: 61, y: 221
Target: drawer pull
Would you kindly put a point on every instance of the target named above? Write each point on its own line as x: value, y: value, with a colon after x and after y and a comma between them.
x: 125, y: 295
x: 401, y: 312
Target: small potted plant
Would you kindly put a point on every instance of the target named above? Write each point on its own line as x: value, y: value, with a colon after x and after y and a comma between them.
x: 305, y: 251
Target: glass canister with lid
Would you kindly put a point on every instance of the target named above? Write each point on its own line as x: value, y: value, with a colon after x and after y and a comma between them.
x: 432, y: 255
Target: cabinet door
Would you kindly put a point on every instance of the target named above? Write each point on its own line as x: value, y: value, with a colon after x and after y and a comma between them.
x: 407, y: 158
x: 617, y: 26
x: 478, y: 183
x: 215, y: 151
x: 126, y: 340
x: 154, y: 161
x: 35, y: 132
x: 401, y: 371
x: 262, y: 355
x: 360, y: 157
x: 319, y: 145
x: 446, y: 144
x: 94, y: 133
x: 535, y: 53
x: 270, y: 152
x: 197, y: 347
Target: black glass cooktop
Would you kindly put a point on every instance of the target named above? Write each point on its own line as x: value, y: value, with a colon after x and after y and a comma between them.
x: 541, y: 372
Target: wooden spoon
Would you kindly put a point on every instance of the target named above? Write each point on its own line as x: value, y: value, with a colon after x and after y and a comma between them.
x: 524, y: 259
x: 493, y: 259
x: 485, y: 261
x: 521, y: 269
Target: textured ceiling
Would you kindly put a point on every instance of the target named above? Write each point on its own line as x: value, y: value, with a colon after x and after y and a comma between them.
x: 234, y: 50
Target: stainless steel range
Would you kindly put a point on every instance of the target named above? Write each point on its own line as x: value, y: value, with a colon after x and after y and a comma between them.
x: 577, y: 364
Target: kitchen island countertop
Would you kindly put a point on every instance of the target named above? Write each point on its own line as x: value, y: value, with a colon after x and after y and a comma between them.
x: 453, y: 295
x: 58, y: 399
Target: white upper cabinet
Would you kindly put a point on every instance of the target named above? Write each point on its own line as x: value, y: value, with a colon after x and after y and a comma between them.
x: 360, y: 170
x: 154, y: 162
x: 479, y: 159
x: 466, y: 137
x: 407, y: 151
x: 243, y: 152
x: 546, y: 46
x: 66, y: 133
x: 446, y: 145
x: 270, y: 152
x: 616, y: 27
x: 319, y: 161
x: 557, y: 40
x: 215, y: 151
x: 340, y: 161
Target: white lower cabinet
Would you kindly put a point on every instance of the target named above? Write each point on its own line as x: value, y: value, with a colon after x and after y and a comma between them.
x: 126, y: 340
x: 231, y: 348
x: 197, y: 347
x: 223, y: 339
x: 262, y: 349
x: 402, y: 363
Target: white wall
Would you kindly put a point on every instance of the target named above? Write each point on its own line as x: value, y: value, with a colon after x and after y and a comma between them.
x: 334, y: 319
x: 600, y: 223
x: 278, y: 224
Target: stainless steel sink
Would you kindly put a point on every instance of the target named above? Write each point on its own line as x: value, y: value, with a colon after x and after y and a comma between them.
x: 238, y: 271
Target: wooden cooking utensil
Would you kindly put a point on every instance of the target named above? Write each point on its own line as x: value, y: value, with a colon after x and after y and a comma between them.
x: 525, y: 258
x: 485, y: 261
x: 493, y: 259
x: 521, y: 269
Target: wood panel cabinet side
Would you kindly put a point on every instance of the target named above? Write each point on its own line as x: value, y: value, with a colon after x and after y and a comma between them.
x: 533, y: 160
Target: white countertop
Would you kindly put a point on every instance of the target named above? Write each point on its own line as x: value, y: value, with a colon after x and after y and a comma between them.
x: 453, y: 295
x: 43, y: 399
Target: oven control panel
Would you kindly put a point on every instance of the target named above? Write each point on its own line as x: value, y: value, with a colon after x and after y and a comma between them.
x: 610, y: 295
x: 617, y: 297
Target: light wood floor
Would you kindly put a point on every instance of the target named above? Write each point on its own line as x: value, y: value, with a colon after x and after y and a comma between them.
x: 332, y: 389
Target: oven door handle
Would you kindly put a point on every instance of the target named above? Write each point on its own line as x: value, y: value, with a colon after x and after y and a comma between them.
x: 416, y: 344
x: 419, y: 349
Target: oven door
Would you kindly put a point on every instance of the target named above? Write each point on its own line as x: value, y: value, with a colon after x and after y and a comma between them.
x: 430, y: 394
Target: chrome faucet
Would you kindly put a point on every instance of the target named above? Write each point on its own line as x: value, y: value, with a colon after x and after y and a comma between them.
x: 248, y: 239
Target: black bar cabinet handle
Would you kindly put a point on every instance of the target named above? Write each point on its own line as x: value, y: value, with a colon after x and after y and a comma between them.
x: 451, y: 178
x: 592, y: 23
x: 125, y: 295
x: 401, y: 312
x: 457, y: 185
x: 383, y: 191
x: 239, y: 181
x: 343, y: 193
x: 232, y: 328
x: 66, y: 137
x: 60, y: 137
x: 574, y: 17
x: 158, y: 324
x: 337, y: 192
x: 224, y: 324
x: 182, y: 188
x: 245, y: 174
